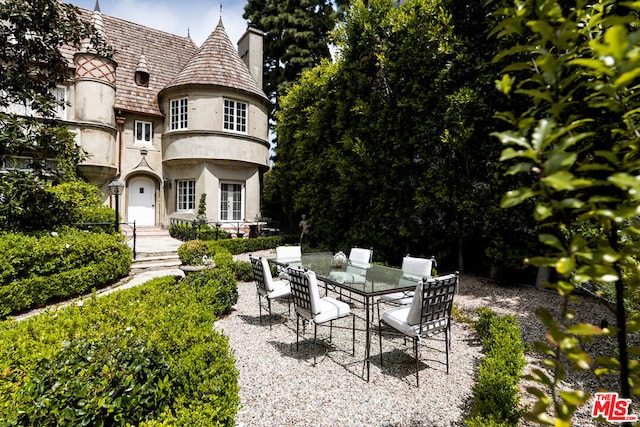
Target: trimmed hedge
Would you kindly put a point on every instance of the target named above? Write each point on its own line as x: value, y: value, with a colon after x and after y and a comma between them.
x: 37, y: 269
x: 496, y: 396
x: 146, y: 356
x: 186, y: 232
x: 193, y: 251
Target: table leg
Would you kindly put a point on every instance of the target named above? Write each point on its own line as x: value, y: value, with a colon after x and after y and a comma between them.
x: 368, y: 337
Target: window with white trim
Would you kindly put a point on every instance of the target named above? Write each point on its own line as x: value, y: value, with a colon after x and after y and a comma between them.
x: 231, y: 201
x: 235, y: 116
x: 60, y: 93
x: 178, y: 113
x: 143, y: 132
x: 23, y: 108
x: 186, y: 195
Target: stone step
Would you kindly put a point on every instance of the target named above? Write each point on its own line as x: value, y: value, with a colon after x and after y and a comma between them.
x: 154, y: 262
x: 139, y: 267
x: 151, y: 231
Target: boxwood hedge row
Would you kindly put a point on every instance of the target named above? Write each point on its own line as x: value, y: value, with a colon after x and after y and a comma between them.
x: 193, y: 251
x: 496, y: 396
x: 146, y: 356
x: 38, y: 269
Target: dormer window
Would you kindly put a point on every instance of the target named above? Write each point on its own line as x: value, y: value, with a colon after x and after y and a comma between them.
x: 142, y: 78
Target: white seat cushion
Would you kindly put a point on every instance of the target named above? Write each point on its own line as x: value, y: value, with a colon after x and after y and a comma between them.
x: 397, y: 319
x: 330, y: 309
x: 400, y: 298
x: 280, y: 289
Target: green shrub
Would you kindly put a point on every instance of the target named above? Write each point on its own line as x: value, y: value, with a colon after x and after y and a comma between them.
x: 216, y: 286
x: 103, y: 382
x: 496, y: 395
x: 83, y: 201
x: 240, y: 246
x: 191, y: 252
x: 170, y: 319
x: 243, y: 271
x: 186, y: 232
x: 194, y: 251
x: 38, y: 269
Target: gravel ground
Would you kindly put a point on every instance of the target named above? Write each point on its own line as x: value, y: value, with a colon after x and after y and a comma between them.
x: 281, y: 386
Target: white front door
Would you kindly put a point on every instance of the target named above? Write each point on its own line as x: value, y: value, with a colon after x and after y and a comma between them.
x: 142, y: 201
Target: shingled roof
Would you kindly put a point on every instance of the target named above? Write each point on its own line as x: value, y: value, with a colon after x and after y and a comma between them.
x: 170, y: 60
x: 218, y: 63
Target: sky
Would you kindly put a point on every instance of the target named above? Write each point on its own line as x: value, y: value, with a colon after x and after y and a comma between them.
x: 198, y: 17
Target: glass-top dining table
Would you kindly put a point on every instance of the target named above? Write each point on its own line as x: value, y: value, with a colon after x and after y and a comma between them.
x: 366, y: 281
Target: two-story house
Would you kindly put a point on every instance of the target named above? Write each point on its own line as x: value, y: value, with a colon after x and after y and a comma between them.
x: 171, y: 121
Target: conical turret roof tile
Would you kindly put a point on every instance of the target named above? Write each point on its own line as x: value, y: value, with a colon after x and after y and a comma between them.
x: 218, y: 63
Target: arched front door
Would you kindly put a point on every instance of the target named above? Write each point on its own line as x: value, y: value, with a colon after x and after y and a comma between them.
x: 142, y: 201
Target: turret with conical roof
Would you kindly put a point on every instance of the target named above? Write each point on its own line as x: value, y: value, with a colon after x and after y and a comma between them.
x: 218, y: 63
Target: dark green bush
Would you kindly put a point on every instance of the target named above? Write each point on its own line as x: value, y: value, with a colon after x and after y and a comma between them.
x: 243, y: 271
x: 83, y: 202
x: 109, y: 381
x: 41, y: 268
x: 191, y: 252
x: 186, y: 232
x: 496, y: 395
x: 215, y: 286
x: 174, y: 323
x: 240, y: 246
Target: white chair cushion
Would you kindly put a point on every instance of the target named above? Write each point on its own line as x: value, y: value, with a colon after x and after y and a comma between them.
x: 360, y: 256
x: 314, y: 295
x: 416, y: 268
x: 400, y: 298
x: 397, y: 319
x: 288, y: 254
x: 280, y: 289
x: 415, y: 309
x: 330, y: 309
x: 266, y: 270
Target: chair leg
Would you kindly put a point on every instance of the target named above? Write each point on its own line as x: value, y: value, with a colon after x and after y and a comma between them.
x: 380, y: 339
x: 260, y: 308
x: 415, y: 350
x: 297, y: 331
x: 330, y: 331
x: 447, y: 336
x: 315, y: 342
x: 353, y: 336
x: 270, y: 316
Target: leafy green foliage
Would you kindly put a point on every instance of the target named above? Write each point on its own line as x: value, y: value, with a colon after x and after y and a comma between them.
x: 166, y: 324
x: 35, y: 270
x: 215, y: 286
x: 570, y: 73
x: 296, y: 38
x: 496, y: 395
x: 193, y: 251
x: 117, y: 380
x: 389, y: 147
x: 31, y: 35
x: 186, y: 232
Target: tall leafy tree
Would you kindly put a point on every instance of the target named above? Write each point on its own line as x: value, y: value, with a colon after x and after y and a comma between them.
x: 32, y: 34
x: 389, y: 147
x: 296, y: 38
x: 574, y: 68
